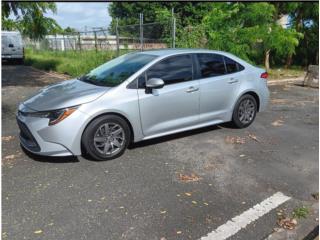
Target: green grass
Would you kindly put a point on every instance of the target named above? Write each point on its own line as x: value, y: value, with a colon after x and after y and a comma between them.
x: 76, y: 63
x: 300, y: 212
x: 282, y: 73
x: 68, y: 62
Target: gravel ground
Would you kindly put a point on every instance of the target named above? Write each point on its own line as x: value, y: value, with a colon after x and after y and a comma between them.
x: 140, y: 195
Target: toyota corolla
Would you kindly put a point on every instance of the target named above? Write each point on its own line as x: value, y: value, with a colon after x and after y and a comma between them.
x: 140, y: 96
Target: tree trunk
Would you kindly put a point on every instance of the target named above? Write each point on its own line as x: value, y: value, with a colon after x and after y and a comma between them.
x: 289, y: 61
x: 266, y: 60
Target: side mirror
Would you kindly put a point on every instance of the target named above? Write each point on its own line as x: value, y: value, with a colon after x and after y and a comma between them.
x: 155, y: 83
x: 10, y: 45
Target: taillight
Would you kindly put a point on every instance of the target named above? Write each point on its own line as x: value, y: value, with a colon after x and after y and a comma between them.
x: 264, y: 75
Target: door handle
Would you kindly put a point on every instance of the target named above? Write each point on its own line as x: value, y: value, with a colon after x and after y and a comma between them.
x: 233, y: 80
x: 192, y: 89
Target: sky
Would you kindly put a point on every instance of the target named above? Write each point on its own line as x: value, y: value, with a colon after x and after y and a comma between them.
x: 80, y: 14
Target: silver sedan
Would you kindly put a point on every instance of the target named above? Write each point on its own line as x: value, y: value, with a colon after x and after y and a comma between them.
x: 140, y: 96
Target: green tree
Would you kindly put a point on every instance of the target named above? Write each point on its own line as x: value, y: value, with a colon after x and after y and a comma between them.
x: 29, y: 18
x: 69, y: 30
x: 241, y: 28
x: 305, y: 19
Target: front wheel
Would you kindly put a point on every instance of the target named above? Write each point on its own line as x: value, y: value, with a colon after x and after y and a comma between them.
x: 106, y: 137
x: 245, y: 111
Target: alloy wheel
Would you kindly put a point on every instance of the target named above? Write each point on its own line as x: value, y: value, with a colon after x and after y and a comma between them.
x: 109, y: 139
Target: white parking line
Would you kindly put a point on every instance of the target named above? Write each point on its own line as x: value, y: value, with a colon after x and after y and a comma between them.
x: 234, y: 225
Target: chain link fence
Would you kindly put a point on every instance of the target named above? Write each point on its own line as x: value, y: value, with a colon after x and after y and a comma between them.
x: 142, y: 36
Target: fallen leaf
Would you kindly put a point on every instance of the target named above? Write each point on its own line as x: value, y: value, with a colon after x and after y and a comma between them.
x: 252, y: 136
x: 188, y: 194
x: 38, y: 231
x: 277, y: 123
x: 179, y: 232
x: 287, y: 223
x: 7, y: 138
x: 235, y: 140
x: 242, y: 155
x: 194, y: 202
x: 9, y: 157
x: 188, y: 178
x: 163, y: 212
x: 276, y: 229
x: 206, y: 204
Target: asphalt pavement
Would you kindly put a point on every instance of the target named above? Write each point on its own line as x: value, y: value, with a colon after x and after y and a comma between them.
x: 182, y: 186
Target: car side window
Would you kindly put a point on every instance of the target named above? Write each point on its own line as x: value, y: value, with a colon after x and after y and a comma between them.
x: 211, y: 65
x: 232, y: 66
x: 172, y: 69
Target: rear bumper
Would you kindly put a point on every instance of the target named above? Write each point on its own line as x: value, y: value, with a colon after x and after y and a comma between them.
x: 12, y: 56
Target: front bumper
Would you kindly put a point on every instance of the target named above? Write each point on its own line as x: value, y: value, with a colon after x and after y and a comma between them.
x: 62, y: 139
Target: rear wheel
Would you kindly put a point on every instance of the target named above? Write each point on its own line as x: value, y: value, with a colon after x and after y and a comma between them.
x: 245, y: 111
x: 106, y: 137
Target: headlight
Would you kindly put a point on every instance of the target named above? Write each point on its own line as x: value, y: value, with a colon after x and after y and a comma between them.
x: 55, y: 116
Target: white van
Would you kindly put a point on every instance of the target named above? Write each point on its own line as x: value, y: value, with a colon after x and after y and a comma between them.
x: 12, y: 46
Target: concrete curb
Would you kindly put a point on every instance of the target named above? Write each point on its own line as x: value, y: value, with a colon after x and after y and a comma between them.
x: 286, y: 81
x: 302, y: 230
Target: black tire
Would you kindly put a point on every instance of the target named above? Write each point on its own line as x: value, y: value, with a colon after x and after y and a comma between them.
x: 236, y: 119
x: 95, y: 127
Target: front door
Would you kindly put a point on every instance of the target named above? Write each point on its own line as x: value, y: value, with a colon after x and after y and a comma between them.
x: 176, y: 105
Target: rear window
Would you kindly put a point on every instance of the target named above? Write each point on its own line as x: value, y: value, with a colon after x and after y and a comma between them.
x: 211, y: 65
x: 232, y: 66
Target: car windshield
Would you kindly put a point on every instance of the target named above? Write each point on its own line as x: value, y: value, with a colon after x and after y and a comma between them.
x: 117, y: 70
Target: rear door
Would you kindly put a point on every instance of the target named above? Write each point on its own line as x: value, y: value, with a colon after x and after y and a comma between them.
x: 5, y: 45
x: 176, y: 105
x: 219, y: 82
x: 12, y: 45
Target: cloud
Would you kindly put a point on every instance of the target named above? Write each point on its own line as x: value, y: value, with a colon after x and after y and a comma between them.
x: 82, y: 14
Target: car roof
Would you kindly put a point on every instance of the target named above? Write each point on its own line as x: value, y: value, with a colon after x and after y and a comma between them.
x: 161, y: 53
x: 167, y: 52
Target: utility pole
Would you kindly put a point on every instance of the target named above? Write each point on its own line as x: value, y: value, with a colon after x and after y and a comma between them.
x: 141, y: 31
x: 117, y: 37
x: 173, y: 29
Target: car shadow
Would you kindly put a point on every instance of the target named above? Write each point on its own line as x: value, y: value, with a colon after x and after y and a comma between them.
x: 48, y: 159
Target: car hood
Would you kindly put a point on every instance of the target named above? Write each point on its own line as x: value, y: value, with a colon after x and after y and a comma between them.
x: 64, y: 94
